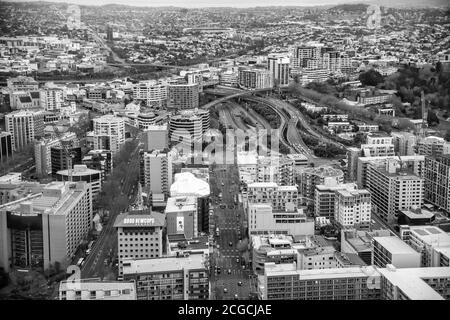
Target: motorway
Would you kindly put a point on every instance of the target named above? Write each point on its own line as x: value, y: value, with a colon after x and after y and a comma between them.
x: 233, y: 280
x: 106, y: 244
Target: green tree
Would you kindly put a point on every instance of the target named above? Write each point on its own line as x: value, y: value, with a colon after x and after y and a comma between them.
x: 371, y: 78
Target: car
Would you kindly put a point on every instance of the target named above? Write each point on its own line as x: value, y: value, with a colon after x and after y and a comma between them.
x: 225, y: 290
x: 218, y: 246
x: 230, y: 244
x: 229, y: 271
x: 223, y: 206
x: 218, y: 269
x: 223, y: 184
x: 237, y: 260
x: 240, y: 283
x: 236, y: 297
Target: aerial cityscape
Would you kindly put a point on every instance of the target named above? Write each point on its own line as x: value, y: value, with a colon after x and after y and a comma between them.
x: 244, y: 151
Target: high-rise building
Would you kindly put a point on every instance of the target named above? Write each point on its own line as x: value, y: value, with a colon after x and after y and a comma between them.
x: 52, y: 98
x: 100, y: 160
x: 156, y: 137
x: 404, y: 143
x: 353, y: 208
x: 157, y: 174
x: 183, y: 96
x: 109, y: 33
x: 24, y: 126
x: 169, y: 278
x: 271, y: 193
x: 154, y: 93
x: 188, y: 125
x: 393, y: 189
x: 182, y: 216
x: 432, y: 146
x: 45, y: 226
x: 252, y: 79
x: 139, y: 235
x: 378, y: 145
x: 278, y: 65
x: 42, y: 152
x: 325, y: 196
x: 311, y: 177
x: 60, y: 161
x: 109, y: 133
x: 437, y: 181
x: 5, y: 145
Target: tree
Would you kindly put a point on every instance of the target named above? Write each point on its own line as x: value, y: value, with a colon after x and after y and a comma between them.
x: 447, y: 135
x: 432, y: 118
x: 371, y: 78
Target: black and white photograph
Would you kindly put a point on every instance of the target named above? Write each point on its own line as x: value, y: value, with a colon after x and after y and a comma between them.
x: 229, y: 155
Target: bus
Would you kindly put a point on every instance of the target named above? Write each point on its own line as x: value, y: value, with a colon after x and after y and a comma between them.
x: 80, y: 261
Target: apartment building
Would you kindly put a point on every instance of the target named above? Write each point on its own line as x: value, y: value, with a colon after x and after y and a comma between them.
x: 325, y: 197
x: 45, y: 226
x: 5, y: 145
x: 139, y: 235
x: 393, y: 190
x: 157, y: 172
x: 278, y: 65
x: 432, y: 146
x: 272, y: 193
x: 183, y: 96
x: 156, y: 137
x: 52, y: 98
x: 24, y: 126
x: 253, y: 79
x: 170, y: 278
x: 437, y: 181
x: 353, y: 208
x: 188, y: 125
x: 154, y: 93
x: 81, y: 172
x: 311, y: 177
x: 109, y: 133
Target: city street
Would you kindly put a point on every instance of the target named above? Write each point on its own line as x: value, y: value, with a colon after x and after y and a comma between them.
x: 230, y: 250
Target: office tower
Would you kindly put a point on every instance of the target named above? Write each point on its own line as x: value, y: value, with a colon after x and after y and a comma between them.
x: 292, y: 221
x: 276, y: 169
x: 414, y: 283
x: 187, y: 183
x: 24, y: 126
x: 437, y: 181
x: 269, y: 192
x: 45, y: 226
x: 253, y: 79
x: 182, y: 96
x: 392, y: 250
x: 378, y: 145
x: 96, y: 289
x: 22, y: 83
x: 311, y: 177
x: 156, y: 137
x: 278, y: 65
x: 182, y: 217
x: 100, y: 160
x: 60, y: 161
x: 285, y: 282
x: 393, y: 189
x: 432, y: 146
x: 414, y: 164
x: 353, y: 208
x: 5, y: 145
x: 82, y: 173
x: 302, y: 54
x: 431, y: 242
x: 188, y: 125
x: 109, y: 133
x: 158, y: 172
x: 139, y: 235
x: 404, y: 143
x: 325, y: 196
x: 169, y: 278
x: 42, y: 152
x: 153, y: 92
x: 52, y: 98
x: 353, y: 155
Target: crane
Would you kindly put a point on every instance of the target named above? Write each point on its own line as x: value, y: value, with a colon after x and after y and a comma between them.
x: 65, y: 144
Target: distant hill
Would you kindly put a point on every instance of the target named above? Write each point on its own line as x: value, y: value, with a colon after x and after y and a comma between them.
x: 357, y: 5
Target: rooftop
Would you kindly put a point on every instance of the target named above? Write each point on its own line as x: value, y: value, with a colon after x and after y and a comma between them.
x: 432, y: 235
x: 140, y: 218
x: 181, y: 204
x: 395, y: 245
x: 166, y: 264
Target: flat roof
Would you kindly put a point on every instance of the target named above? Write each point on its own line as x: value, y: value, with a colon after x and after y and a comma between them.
x: 432, y: 235
x: 410, y: 281
x: 166, y: 264
x: 140, y: 218
x: 395, y: 245
x: 94, y: 285
x: 181, y: 204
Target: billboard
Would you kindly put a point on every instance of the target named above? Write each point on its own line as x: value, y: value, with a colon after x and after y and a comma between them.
x: 180, y: 224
